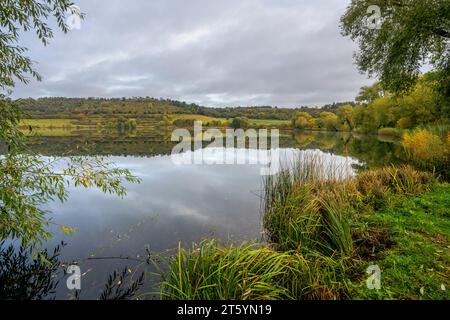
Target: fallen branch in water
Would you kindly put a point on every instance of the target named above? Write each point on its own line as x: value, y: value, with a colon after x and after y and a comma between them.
x: 121, y: 258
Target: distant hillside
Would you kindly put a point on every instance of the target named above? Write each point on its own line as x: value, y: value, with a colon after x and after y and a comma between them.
x: 149, y: 107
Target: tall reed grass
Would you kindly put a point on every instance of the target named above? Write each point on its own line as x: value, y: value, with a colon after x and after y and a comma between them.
x: 209, y: 271
x: 305, y: 208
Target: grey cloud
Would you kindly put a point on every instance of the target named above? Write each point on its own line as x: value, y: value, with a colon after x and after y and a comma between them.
x: 216, y: 53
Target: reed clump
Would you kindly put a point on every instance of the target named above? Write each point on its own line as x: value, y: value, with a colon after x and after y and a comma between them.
x: 209, y: 271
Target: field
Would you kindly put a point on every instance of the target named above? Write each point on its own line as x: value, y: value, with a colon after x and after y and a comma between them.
x: 269, y: 122
x: 259, y: 122
x: 253, y: 122
x: 197, y: 117
x: 48, y: 123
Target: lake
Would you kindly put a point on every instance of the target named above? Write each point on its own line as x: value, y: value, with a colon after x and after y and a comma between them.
x: 174, y: 203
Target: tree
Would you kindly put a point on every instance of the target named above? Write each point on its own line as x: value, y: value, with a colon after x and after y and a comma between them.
x: 359, y: 115
x: 423, y: 104
x: 345, y: 115
x: 27, y: 181
x: 411, y: 33
x: 240, y: 122
x: 19, y: 16
x: 329, y: 121
x: 419, y: 106
x: 369, y: 93
x: 382, y: 115
x: 303, y: 120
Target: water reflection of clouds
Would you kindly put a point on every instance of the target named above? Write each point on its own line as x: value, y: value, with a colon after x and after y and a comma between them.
x: 223, y: 196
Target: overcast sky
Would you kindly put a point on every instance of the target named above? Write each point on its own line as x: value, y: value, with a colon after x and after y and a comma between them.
x: 213, y: 52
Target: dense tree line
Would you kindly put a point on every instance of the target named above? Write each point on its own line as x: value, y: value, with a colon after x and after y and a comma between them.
x: 141, y: 107
x: 377, y: 108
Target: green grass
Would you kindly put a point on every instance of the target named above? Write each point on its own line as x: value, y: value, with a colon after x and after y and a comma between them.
x: 269, y: 122
x: 61, y: 127
x: 197, y: 117
x: 441, y: 128
x: 210, y: 272
x: 47, y: 123
x: 417, y: 266
x: 53, y: 132
x: 51, y: 127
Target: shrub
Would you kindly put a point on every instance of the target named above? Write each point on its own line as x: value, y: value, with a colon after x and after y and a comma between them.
x: 303, y: 120
x: 427, y: 151
x: 422, y: 145
x: 183, y: 122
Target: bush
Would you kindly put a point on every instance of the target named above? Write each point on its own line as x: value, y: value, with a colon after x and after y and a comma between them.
x: 427, y: 151
x: 404, y: 123
x: 214, y: 123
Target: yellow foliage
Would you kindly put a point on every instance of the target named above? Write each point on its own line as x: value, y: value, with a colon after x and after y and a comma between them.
x: 404, y: 123
x: 421, y: 145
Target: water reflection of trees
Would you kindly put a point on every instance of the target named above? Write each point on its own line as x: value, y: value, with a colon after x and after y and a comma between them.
x: 370, y: 149
x: 23, y: 276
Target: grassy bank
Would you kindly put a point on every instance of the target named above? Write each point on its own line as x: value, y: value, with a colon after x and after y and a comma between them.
x: 417, y: 263
x: 324, y: 228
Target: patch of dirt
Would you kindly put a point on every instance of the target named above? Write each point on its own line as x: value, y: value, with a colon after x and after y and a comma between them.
x: 371, y: 247
x: 441, y: 240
